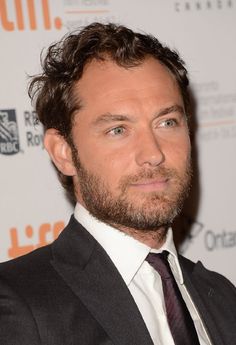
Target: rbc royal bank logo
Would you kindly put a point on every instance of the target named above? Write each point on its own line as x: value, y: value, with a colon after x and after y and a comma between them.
x: 9, y: 136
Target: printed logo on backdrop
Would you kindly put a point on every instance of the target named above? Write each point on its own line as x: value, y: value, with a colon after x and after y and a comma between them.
x: 212, y: 239
x: 82, y: 12
x: 196, y: 227
x: 21, y: 15
x: 33, y: 130
x: 224, y: 239
x: 202, y: 5
x: 30, y: 136
x: 216, y: 111
x: 9, y: 134
x: 32, y: 14
x: 32, y: 238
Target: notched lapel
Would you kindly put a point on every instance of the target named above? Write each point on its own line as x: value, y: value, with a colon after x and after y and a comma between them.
x: 89, y: 272
x: 202, y: 281
x: 200, y: 286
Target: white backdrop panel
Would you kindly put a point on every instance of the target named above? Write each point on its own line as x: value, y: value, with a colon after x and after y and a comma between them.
x: 33, y: 207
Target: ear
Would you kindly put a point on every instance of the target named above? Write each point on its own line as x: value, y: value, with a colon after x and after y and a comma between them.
x: 59, y: 151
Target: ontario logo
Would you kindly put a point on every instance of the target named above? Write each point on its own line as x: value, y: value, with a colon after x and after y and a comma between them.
x: 9, y: 135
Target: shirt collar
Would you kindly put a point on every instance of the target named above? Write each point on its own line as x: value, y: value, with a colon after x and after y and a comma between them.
x: 127, y: 253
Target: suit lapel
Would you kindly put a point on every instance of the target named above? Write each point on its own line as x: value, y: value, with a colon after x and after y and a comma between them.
x: 89, y: 272
x: 203, y: 295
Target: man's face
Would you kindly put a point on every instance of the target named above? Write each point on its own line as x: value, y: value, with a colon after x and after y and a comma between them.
x: 131, y: 145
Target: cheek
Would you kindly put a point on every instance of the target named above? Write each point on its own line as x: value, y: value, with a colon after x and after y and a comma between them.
x: 112, y: 167
x: 107, y: 159
x: 108, y: 165
x: 179, y: 153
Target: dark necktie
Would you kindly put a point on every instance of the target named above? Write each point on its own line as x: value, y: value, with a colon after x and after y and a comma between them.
x: 180, y: 322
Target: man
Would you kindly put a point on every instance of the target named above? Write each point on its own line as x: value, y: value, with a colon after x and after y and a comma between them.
x: 115, y: 108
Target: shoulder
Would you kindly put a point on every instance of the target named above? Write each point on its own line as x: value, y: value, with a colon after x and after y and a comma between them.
x: 27, y: 270
x: 36, y: 259
x: 201, y: 276
x: 32, y: 264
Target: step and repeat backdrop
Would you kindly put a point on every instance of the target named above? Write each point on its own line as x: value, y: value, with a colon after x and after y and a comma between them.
x: 33, y: 207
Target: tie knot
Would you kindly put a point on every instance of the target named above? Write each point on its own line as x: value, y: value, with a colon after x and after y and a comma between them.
x: 160, y: 263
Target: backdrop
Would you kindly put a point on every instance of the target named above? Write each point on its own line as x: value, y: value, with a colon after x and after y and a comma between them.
x: 33, y: 207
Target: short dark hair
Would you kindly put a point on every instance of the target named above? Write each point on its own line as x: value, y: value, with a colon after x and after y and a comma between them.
x: 63, y: 65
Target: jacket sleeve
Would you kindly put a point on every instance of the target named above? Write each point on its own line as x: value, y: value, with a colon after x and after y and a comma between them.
x: 17, y: 324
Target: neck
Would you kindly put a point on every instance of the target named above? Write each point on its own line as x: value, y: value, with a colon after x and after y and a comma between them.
x: 152, y: 238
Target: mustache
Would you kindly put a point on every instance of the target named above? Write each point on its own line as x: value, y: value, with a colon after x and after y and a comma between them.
x: 156, y: 173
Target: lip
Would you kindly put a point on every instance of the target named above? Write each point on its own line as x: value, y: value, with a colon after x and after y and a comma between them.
x: 151, y: 185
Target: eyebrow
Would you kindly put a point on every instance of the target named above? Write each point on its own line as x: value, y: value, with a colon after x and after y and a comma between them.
x: 108, y: 117
x: 173, y: 109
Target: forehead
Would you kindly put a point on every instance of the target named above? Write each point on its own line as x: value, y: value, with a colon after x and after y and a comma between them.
x: 104, y: 82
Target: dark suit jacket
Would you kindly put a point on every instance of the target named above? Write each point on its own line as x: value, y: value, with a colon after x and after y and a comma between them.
x: 70, y: 293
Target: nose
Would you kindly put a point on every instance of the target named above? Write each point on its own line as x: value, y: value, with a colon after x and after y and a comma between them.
x: 148, y: 150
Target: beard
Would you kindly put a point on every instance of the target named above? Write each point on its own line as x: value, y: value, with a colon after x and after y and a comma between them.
x: 140, y: 211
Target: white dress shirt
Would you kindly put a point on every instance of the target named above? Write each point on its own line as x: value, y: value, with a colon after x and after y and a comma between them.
x: 143, y: 281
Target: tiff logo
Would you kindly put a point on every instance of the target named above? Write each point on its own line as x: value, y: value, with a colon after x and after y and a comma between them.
x: 30, y: 14
x: 47, y: 233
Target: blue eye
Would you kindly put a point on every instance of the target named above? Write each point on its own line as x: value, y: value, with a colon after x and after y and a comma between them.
x: 117, y: 131
x: 168, y: 123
